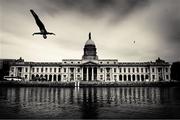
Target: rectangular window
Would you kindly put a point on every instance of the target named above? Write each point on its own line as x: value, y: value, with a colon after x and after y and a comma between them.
x: 129, y: 70
x: 54, y: 69
x: 37, y: 69
x: 78, y: 70
x: 146, y: 70
x: 101, y: 77
x: 133, y: 70
x: 153, y: 70
x: 137, y: 70
x: 26, y: 69
x: 101, y: 70
x: 25, y: 76
x: 50, y: 69
x: 64, y: 69
x: 59, y: 69
x: 120, y: 70
x: 46, y: 69
x: 142, y: 70
x: 41, y: 69
x: 115, y: 70
x: 153, y: 77
x: 124, y: 70
x: 115, y: 77
x: 167, y: 76
x: 32, y: 69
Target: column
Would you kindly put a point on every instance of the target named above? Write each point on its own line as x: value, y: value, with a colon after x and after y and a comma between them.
x: 92, y: 74
x: 82, y: 74
x: 87, y: 74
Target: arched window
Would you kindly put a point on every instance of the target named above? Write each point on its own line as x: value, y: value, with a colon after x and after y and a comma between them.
x: 125, y: 78
x: 59, y: 77
x: 50, y: 77
x: 133, y: 77
x: 147, y: 76
x: 120, y: 77
x: 129, y: 77
x: 37, y: 77
x: 142, y: 77
x: 54, y: 78
x: 138, y: 78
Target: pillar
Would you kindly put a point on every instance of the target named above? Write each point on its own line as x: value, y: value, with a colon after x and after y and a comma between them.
x: 92, y: 74
x: 87, y: 74
x: 82, y: 74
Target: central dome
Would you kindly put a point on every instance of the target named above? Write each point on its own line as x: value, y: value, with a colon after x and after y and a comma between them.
x: 89, y: 42
x: 90, y: 49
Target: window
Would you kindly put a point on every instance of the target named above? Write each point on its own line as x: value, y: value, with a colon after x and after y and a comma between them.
x: 153, y: 70
x: 133, y: 77
x: 115, y: 70
x: 107, y: 62
x: 153, y: 77
x: 101, y: 77
x: 26, y: 69
x: 101, y: 70
x: 59, y: 69
x: 125, y: 78
x: 129, y: 70
x: 54, y: 69
x: 146, y: 70
x: 115, y: 77
x: 46, y: 69
x: 25, y: 76
x: 120, y: 77
x: 78, y: 62
x: 71, y: 62
x: 120, y: 70
x: 78, y: 70
x: 100, y: 62
x: 32, y: 69
x: 129, y: 77
x: 167, y: 76
x: 37, y: 69
x: 142, y: 70
x: 137, y: 70
x: 133, y: 70
x: 124, y: 70
x: 64, y: 69
x: 50, y: 69
x: 41, y: 69
x: 108, y: 70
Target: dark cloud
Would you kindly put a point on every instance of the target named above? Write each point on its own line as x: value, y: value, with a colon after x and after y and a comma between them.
x: 95, y: 8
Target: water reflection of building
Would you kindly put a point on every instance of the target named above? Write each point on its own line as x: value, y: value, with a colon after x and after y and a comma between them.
x: 90, y: 68
x: 88, y: 96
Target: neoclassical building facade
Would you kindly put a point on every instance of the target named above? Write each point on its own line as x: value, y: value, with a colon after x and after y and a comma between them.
x: 91, y: 68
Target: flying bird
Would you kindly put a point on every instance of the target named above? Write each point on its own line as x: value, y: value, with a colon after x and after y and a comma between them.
x: 41, y: 26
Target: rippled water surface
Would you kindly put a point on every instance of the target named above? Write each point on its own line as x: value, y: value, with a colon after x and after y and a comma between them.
x: 110, y: 102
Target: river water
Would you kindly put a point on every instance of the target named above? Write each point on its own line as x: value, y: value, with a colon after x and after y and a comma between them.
x: 95, y: 102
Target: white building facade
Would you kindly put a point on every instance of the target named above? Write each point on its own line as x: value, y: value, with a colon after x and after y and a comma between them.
x: 90, y: 68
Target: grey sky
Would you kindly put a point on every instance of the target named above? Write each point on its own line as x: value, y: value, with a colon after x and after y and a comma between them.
x: 115, y: 24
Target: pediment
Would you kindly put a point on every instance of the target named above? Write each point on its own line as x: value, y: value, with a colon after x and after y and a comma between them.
x: 90, y: 63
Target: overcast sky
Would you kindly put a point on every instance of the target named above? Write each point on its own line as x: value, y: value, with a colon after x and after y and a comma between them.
x: 154, y: 25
